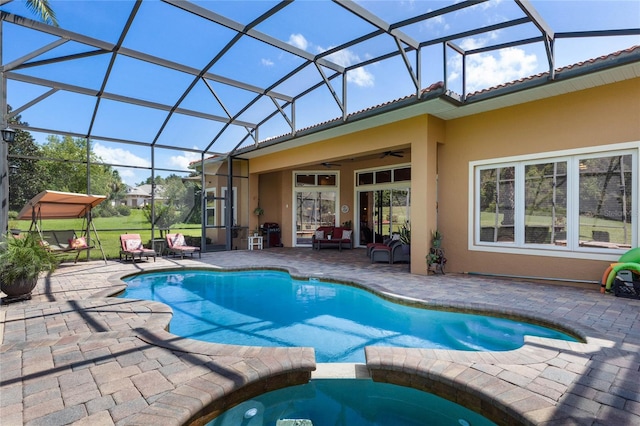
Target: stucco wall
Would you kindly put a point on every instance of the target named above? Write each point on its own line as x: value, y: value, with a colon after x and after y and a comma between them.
x: 600, y: 116
x: 440, y: 153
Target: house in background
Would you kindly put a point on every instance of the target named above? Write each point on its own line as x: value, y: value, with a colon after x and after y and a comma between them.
x: 140, y: 196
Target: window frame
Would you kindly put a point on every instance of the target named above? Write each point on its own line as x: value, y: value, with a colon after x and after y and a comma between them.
x: 572, y: 157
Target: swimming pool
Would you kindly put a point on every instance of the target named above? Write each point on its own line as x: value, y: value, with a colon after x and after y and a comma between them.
x: 349, y: 402
x: 269, y: 308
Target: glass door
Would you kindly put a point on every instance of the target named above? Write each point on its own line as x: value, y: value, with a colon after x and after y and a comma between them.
x: 382, y: 212
x: 313, y: 209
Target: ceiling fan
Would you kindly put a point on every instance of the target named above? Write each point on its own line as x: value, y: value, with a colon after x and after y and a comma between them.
x: 328, y: 165
x: 398, y: 154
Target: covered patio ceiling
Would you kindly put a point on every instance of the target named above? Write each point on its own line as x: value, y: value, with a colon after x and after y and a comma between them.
x: 211, y: 77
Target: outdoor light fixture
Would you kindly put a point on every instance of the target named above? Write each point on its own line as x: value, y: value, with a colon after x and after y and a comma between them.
x: 8, y: 135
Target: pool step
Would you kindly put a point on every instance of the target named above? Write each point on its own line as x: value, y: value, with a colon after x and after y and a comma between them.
x: 294, y: 422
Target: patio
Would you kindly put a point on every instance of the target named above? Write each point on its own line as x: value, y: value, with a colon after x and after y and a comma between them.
x: 70, y: 355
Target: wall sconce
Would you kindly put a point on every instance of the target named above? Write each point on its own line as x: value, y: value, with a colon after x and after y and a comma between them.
x: 8, y: 135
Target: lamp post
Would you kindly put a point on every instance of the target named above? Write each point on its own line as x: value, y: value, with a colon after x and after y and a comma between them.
x: 8, y: 136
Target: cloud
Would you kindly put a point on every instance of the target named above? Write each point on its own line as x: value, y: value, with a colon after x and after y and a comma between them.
x: 486, y: 70
x: 182, y: 161
x: 267, y: 62
x: 298, y: 41
x: 119, y: 156
x: 122, y: 156
x: 358, y: 76
x: 436, y: 25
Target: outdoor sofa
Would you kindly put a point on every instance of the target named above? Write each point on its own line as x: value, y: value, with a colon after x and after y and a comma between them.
x: 332, y: 236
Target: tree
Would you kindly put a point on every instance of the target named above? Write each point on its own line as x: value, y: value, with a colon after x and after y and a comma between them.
x: 66, y: 167
x: 43, y: 8
x: 26, y: 174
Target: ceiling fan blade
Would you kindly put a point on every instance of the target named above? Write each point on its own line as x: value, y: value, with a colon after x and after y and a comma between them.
x: 398, y: 154
x: 329, y: 165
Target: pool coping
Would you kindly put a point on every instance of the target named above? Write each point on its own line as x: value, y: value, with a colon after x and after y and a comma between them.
x: 524, y: 386
x: 436, y: 370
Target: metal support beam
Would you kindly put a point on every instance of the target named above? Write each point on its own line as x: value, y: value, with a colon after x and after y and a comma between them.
x: 120, y: 98
x: 14, y: 64
x: 545, y: 29
x: 330, y: 87
x: 374, y: 20
x: 17, y: 111
x: 4, y: 150
x: 407, y: 63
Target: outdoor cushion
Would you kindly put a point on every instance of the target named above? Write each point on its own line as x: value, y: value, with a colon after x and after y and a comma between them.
x: 78, y: 243
x: 133, y: 244
x: 177, y: 241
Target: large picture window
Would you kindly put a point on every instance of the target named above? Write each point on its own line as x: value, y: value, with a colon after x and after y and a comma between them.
x: 576, y: 202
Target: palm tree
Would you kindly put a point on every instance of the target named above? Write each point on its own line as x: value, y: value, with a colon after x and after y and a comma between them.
x: 43, y: 8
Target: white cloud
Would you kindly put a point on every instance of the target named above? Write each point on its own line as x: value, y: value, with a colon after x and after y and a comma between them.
x: 122, y: 156
x: 359, y: 76
x: 298, y: 41
x: 119, y: 156
x: 266, y: 62
x: 183, y: 161
x: 436, y: 25
x: 486, y: 70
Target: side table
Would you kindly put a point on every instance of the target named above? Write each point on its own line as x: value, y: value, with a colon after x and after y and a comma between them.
x: 254, y: 242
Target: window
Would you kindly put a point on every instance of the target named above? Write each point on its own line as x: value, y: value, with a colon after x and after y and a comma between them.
x: 576, y: 202
x: 211, y: 207
x: 400, y: 174
x: 315, y: 179
x: 234, y: 202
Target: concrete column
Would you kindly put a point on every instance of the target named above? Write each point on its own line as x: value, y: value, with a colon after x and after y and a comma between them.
x: 424, y: 191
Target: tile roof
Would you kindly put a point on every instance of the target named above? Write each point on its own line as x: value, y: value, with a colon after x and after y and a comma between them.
x: 601, y: 60
x: 438, y: 89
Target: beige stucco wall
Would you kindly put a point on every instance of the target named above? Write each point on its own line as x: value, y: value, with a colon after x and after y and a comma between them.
x: 440, y: 153
x: 276, y: 170
x: 599, y: 116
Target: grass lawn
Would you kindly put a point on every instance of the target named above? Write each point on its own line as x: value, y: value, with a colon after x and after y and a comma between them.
x: 109, y: 231
x: 616, y: 229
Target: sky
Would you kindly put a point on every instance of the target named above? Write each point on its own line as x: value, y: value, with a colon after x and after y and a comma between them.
x: 314, y: 26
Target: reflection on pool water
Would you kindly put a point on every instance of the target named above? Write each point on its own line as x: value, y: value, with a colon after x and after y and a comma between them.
x: 269, y: 308
x: 348, y: 402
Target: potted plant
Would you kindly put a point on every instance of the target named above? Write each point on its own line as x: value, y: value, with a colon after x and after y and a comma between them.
x: 258, y: 211
x: 22, y: 259
x: 405, y: 237
x: 435, y: 257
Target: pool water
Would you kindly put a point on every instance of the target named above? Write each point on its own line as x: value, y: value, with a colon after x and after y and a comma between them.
x: 349, y: 402
x: 269, y: 308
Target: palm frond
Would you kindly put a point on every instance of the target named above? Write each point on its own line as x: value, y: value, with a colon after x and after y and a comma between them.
x: 43, y: 8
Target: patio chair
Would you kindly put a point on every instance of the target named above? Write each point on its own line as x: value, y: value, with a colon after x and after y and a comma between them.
x: 391, y: 253
x: 131, y: 246
x: 177, y: 245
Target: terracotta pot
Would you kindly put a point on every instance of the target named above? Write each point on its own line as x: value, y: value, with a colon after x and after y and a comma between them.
x: 19, y: 288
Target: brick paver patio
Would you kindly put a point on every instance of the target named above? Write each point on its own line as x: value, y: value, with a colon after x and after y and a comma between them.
x: 72, y: 355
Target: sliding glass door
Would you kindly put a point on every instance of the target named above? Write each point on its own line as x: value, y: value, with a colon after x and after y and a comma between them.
x: 382, y: 212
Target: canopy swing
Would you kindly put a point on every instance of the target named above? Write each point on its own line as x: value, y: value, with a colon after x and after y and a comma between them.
x: 64, y: 205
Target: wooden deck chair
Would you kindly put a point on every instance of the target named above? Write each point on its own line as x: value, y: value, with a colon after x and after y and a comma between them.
x: 131, y: 246
x: 177, y: 245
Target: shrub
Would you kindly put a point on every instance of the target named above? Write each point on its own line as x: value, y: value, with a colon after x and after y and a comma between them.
x: 123, y: 210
